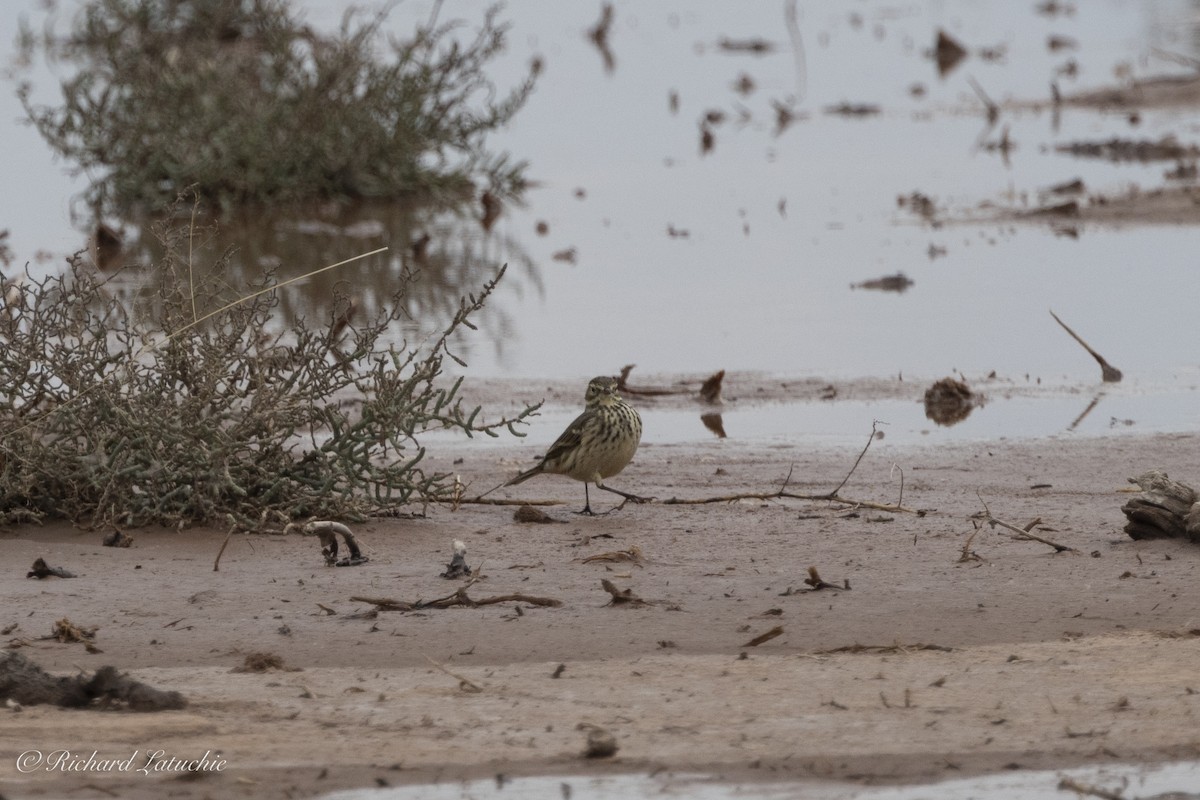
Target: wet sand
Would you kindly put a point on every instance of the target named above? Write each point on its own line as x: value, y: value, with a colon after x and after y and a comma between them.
x: 931, y: 665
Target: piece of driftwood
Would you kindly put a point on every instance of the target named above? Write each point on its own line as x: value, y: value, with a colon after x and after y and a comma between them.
x: 765, y: 637
x: 634, y: 554
x: 458, y: 598
x: 709, y: 392
x: 816, y: 582
x: 621, y: 597
x: 1164, y: 508
x: 1108, y: 373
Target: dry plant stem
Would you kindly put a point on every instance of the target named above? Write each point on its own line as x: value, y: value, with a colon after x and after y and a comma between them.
x: 153, y: 346
x: 765, y: 637
x: 833, y: 494
x: 1022, y: 533
x: 459, y: 598
x: 224, y: 544
x: 466, y: 684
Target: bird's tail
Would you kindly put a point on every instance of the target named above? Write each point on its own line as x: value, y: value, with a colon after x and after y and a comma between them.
x: 524, y: 476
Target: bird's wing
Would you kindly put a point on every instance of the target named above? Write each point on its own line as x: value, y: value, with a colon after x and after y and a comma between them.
x: 569, y: 439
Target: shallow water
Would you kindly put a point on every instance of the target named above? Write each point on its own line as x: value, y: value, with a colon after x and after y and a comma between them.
x: 778, y: 226
x: 1127, y: 780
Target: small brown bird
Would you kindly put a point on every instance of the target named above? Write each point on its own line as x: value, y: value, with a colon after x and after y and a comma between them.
x: 597, y: 445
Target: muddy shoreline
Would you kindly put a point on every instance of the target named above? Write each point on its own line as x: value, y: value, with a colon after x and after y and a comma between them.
x: 1041, y: 659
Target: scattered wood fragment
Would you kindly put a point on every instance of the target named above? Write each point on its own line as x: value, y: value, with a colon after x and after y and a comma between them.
x: 221, y: 552
x: 709, y: 392
x: 1108, y: 373
x: 967, y: 553
x: 876, y: 648
x: 888, y: 283
x: 765, y: 637
x: 853, y: 109
x: 1164, y: 508
x: 1118, y: 150
x: 466, y: 684
x: 621, y: 596
x: 633, y: 554
x: 753, y: 46
x: 69, y: 633
x: 815, y: 581
x: 458, y: 598
x: 598, y: 34
x: 1073, y: 785
x: 993, y: 110
x: 42, y: 570
x: 1022, y: 533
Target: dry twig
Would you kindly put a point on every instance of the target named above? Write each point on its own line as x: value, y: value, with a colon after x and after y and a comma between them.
x: 466, y: 684
x: 1108, y: 373
x: 1022, y: 533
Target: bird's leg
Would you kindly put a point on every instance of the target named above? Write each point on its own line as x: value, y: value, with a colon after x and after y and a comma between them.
x: 587, y: 503
x: 633, y: 497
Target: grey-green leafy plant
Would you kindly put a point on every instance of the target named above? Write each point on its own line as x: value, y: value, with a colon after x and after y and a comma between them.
x: 105, y: 419
x: 244, y: 101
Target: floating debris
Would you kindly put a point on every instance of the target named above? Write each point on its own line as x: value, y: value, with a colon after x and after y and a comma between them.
x: 853, y: 109
x: 1115, y: 149
x: 757, y: 47
x: 947, y: 53
x: 598, y: 35
x: 888, y: 283
x: 715, y: 423
x: 950, y: 401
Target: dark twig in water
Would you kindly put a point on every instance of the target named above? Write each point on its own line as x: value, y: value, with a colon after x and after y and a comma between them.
x: 1108, y: 373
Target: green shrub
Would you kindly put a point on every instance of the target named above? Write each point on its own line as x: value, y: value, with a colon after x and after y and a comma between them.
x: 233, y: 419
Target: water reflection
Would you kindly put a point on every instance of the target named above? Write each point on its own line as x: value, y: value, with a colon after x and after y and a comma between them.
x: 437, y: 254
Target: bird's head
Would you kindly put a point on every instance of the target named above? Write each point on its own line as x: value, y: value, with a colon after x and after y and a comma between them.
x: 601, y: 391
